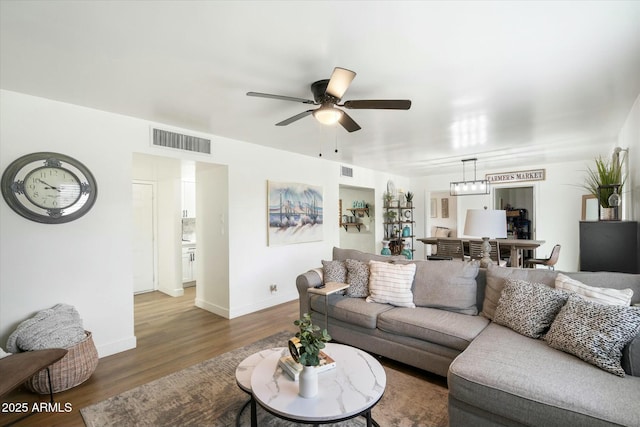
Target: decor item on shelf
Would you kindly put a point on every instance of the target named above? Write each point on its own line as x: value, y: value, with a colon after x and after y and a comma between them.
x: 306, y: 352
x: 406, y: 231
x: 406, y: 250
x: 409, y: 197
x: 487, y: 224
x: 605, y: 182
x: 388, y: 198
x: 464, y: 187
x: 385, y: 248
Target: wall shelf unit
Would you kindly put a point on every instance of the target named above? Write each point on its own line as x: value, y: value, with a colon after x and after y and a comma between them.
x: 399, y: 229
x: 355, y: 213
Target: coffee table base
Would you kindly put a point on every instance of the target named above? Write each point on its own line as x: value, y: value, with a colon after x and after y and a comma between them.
x: 254, y: 416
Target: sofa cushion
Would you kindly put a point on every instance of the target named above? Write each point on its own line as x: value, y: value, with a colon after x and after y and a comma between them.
x: 595, y: 332
x: 448, y: 285
x: 334, y: 271
x: 357, y: 278
x: 391, y: 283
x: 355, y: 311
x: 526, y: 381
x: 592, y: 293
x: 453, y: 330
x: 496, y: 279
x: 528, y: 308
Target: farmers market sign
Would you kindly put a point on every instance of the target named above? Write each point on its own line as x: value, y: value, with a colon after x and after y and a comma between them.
x: 530, y: 175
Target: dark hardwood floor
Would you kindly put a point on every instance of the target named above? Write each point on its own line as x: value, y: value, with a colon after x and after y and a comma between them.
x: 172, y: 334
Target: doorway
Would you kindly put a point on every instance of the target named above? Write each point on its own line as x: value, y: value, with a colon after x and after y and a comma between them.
x: 519, y: 204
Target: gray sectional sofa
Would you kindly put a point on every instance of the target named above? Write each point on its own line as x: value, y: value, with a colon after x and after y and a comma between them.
x: 496, y: 376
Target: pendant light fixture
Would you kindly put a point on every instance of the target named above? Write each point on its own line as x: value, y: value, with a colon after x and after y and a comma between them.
x: 466, y: 188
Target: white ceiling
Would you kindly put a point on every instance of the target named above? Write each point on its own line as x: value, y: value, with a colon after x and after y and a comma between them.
x: 554, y: 80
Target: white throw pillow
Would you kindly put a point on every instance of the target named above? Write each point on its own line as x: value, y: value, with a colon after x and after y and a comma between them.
x: 607, y: 296
x: 391, y: 283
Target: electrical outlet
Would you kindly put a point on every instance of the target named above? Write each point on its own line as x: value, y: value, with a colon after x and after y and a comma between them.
x: 273, y: 288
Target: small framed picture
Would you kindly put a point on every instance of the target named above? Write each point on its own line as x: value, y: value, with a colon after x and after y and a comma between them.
x: 434, y: 208
x: 445, y: 208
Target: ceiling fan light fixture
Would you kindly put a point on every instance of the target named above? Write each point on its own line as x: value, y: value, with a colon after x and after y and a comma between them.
x: 327, y: 115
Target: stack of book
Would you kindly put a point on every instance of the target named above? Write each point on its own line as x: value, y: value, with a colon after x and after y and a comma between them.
x: 293, y: 368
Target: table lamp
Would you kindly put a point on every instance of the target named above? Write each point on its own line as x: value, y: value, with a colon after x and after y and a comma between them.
x: 488, y: 224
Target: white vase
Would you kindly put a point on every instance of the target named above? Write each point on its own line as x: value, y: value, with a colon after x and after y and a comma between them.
x: 308, y: 382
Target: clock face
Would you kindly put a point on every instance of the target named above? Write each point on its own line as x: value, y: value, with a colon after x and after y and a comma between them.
x: 49, y: 187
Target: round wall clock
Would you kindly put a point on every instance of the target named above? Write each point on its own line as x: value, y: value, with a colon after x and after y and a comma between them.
x: 49, y: 187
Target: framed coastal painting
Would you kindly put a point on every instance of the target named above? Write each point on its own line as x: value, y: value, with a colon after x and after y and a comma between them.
x: 295, y: 213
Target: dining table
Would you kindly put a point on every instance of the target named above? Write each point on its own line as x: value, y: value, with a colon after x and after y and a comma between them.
x: 515, y: 246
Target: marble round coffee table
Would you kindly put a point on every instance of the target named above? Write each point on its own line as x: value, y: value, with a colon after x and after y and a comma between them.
x: 349, y: 390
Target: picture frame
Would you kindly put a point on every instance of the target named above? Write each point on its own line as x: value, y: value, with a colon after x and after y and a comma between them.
x: 589, y: 208
x: 434, y: 208
x: 295, y: 213
x: 445, y: 208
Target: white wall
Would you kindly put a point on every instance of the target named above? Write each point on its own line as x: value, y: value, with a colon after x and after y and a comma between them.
x: 630, y: 138
x: 87, y: 263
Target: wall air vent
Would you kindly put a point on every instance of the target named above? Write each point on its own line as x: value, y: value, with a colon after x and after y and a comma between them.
x: 346, y: 171
x: 165, y: 138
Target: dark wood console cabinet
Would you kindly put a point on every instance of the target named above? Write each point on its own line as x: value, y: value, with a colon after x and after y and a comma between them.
x: 610, y: 246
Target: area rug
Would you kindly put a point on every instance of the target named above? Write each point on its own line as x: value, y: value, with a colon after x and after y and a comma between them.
x: 206, y: 394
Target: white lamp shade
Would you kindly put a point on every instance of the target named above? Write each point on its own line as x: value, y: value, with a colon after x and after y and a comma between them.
x: 486, y: 223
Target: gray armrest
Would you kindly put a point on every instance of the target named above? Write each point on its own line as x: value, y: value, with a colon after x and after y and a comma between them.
x: 303, y: 282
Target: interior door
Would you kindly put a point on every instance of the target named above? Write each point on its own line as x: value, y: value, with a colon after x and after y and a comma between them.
x: 143, y: 238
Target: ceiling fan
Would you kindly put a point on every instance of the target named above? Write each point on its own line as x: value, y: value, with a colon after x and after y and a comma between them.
x: 328, y: 93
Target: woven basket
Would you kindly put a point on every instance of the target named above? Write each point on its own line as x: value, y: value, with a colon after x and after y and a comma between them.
x: 74, y: 368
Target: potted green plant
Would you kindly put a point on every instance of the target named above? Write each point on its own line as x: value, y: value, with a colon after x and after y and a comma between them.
x: 311, y: 341
x: 409, y: 197
x: 388, y: 198
x: 600, y: 183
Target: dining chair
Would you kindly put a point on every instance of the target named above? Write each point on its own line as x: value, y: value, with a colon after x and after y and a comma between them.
x: 450, y: 248
x: 475, y: 251
x: 548, y: 262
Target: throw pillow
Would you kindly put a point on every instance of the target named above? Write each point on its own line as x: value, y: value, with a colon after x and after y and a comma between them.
x: 442, y: 232
x: 591, y: 293
x: 391, y: 283
x: 334, y: 271
x: 596, y: 333
x: 497, y: 277
x: 357, y: 278
x: 447, y: 285
x: 528, y: 308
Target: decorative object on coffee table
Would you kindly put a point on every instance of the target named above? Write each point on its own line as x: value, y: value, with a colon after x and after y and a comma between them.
x: 311, y: 341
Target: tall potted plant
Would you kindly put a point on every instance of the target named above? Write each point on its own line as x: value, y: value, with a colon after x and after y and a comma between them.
x: 600, y: 182
x: 307, y: 353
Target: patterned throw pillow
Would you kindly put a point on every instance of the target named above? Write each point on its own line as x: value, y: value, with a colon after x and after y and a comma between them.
x: 528, y: 308
x: 391, y: 283
x: 594, y: 332
x: 591, y: 293
x: 334, y: 271
x: 357, y: 278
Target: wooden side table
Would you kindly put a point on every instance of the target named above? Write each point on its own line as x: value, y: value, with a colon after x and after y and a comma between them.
x: 329, y: 288
x: 19, y: 367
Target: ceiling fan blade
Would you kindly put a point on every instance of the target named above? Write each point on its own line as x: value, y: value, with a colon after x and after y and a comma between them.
x: 379, y: 104
x: 294, y: 118
x: 340, y: 80
x: 348, y: 123
x: 284, y: 98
